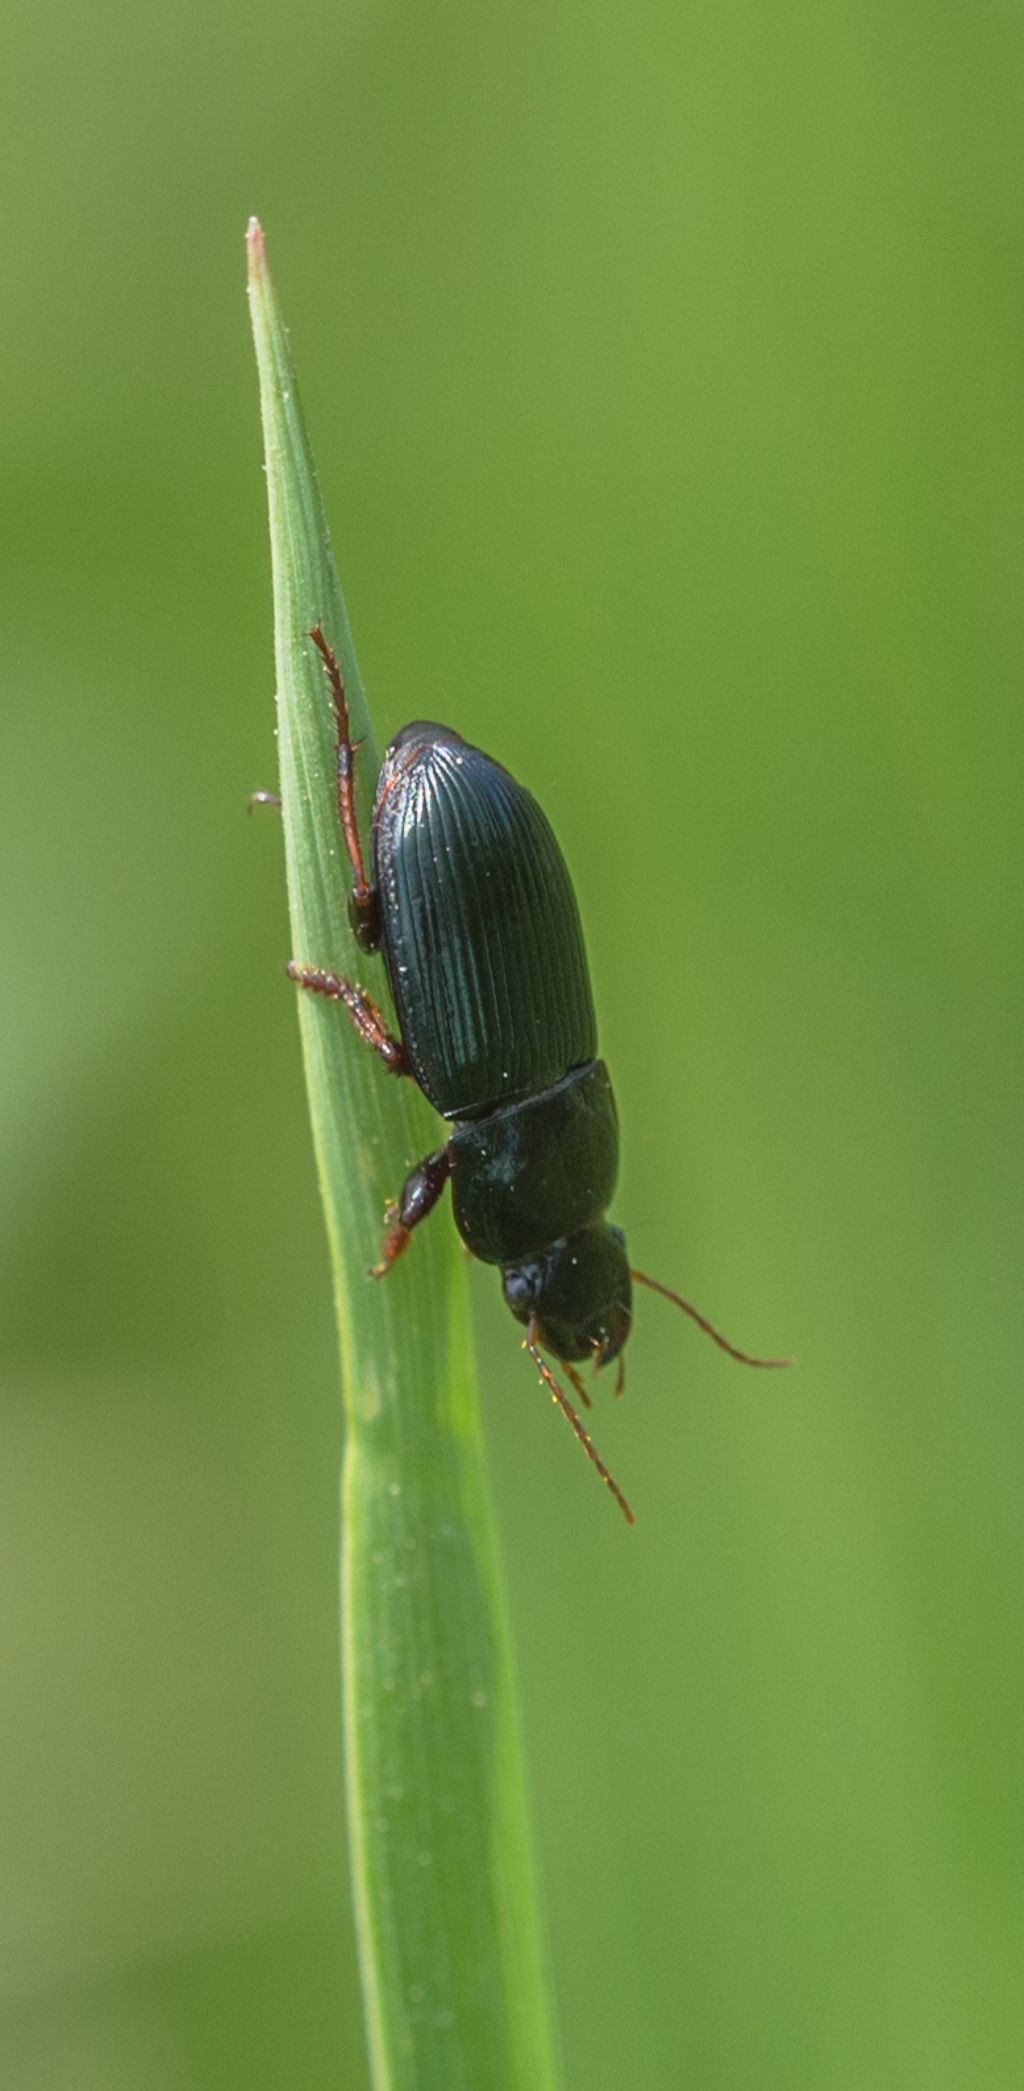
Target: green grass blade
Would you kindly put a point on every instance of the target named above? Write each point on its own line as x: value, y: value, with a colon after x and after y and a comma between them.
x: 449, y: 1940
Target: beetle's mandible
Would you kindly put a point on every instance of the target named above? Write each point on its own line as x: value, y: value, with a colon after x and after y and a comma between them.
x: 469, y: 903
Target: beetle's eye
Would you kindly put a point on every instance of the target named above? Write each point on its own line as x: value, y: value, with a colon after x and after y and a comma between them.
x: 517, y: 1287
x: 617, y: 1235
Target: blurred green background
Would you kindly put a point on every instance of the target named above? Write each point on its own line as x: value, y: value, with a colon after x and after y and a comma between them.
x: 663, y: 368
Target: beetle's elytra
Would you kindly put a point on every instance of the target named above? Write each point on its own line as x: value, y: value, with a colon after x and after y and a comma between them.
x: 470, y: 904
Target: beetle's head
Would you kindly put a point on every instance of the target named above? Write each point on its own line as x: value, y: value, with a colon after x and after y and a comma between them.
x: 577, y: 1293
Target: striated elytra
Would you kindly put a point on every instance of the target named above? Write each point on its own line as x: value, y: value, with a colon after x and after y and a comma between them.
x: 470, y: 904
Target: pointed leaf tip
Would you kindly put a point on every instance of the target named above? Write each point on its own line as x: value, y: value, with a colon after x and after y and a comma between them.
x: 255, y: 248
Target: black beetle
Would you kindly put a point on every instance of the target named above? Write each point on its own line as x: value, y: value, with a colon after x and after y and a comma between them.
x: 471, y: 906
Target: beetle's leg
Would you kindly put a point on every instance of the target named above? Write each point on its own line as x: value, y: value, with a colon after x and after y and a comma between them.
x: 365, y: 1014
x: 363, y: 907
x: 418, y: 1196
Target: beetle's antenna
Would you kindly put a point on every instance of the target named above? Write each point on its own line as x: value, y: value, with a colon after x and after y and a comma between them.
x: 741, y: 1356
x: 557, y: 1394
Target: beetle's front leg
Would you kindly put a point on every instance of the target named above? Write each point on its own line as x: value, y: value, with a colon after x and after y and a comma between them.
x: 363, y: 906
x: 418, y: 1196
x: 365, y: 1015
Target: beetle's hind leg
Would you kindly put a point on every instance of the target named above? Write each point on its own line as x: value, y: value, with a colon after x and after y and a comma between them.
x: 365, y: 1015
x: 418, y: 1196
x: 363, y: 907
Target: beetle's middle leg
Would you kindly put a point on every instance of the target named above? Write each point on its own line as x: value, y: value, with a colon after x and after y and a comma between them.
x: 363, y: 907
x: 365, y: 1015
x: 418, y: 1196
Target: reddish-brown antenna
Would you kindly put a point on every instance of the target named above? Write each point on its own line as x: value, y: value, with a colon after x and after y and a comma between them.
x: 741, y: 1356
x: 558, y: 1394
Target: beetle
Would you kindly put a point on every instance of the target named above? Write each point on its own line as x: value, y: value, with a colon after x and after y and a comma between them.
x: 469, y: 903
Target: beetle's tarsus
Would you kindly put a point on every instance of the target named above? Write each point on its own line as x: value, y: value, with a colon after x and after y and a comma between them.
x: 396, y: 1241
